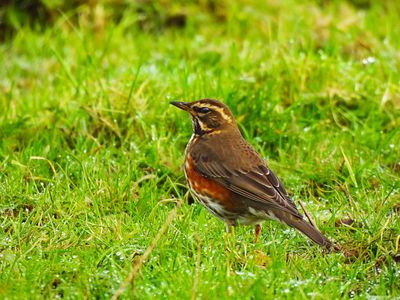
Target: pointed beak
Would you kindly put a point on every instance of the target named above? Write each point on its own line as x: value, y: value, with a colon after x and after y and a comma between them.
x: 182, y: 105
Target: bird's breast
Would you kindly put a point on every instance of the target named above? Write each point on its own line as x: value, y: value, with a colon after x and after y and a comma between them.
x: 205, y: 186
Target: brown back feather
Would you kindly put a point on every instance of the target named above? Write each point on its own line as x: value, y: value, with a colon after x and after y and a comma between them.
x: 240, y: 169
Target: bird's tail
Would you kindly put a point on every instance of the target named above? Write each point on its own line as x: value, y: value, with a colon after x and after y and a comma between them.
x: 309, y: 230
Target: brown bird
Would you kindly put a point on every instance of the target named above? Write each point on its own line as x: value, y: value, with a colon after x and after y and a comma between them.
x: 229, y: 178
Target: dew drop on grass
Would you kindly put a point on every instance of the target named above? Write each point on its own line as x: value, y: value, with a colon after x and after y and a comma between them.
x: 134, y: 147
x: 240, y: 273
x: 153, y: 133
x: 322, y: 55
x: 199, y: 38
x: 151, y: 69
x: 246, y: 78
x: 120, y: 255
x: 230, y: 290
x: 294, y: 283
x: 368, y: 60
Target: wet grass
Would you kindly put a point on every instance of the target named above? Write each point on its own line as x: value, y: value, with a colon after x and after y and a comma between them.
x: 91, y: 152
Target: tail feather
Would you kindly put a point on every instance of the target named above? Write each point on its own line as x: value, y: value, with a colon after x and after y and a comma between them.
x: 309, y: 230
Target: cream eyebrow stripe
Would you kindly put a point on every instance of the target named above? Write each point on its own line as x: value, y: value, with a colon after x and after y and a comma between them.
x: 218, y: 109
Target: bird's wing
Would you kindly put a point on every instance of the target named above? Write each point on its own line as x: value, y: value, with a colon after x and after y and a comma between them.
x: 249, y: 178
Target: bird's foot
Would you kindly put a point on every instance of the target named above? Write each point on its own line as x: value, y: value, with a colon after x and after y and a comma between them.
x: 257, y: 231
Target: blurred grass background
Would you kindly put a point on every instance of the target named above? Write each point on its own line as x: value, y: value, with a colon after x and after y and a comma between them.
x: 91, y: 152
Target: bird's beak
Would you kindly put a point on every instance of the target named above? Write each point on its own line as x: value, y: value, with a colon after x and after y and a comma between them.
x: 182, y: 105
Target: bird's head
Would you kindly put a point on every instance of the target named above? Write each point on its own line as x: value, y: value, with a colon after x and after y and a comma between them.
x: 208, y: 115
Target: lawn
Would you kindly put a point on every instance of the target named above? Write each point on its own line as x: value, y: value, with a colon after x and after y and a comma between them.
x: 92, y: 190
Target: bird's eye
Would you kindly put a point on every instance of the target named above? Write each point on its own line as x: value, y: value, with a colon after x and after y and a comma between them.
x: 203, y: 110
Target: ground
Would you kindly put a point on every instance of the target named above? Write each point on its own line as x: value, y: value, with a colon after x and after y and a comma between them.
x: 91, y: 152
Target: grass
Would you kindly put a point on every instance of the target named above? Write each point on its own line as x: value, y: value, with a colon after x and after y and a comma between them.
x: 91, y: 152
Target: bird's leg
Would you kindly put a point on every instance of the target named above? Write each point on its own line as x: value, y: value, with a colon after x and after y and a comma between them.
x: 229, y: 237
x: 230, y: 226
x: 257, y: 231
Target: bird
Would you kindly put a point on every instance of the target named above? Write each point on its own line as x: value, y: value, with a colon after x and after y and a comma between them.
x: 230, y: 178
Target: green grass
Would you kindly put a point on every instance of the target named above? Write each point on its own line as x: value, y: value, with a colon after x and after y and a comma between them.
x: 91, y: 152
